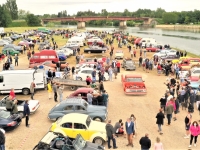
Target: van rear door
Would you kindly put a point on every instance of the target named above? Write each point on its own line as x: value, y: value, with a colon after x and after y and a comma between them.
x: 39, y: 80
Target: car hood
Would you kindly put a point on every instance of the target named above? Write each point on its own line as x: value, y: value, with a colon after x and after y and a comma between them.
x: 92, y: 146
x: 93, y: 108
x: 98, y: 126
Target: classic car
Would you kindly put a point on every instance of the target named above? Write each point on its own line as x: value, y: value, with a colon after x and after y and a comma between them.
x: 189, y: 62
x: 17, y: 48
x: 97, y: 98
x: 133, y: 84
x: 161, y: 53
x: 83, y: 63
x: 95, y: 49
x: 49, y: 64
x: 87, y: 71
x: 3, y: 43
x: 77, y: 105
x: 171, y: 52
x: 59, y: 141
x: 7, y: 39
x: 169, y: 58
x: 119, y: 54
x: 68, y: 52
x: 179, y: 60
x: 62, y: 56
x: 73, y: 124
x: 9, y: 121
x: 10, y: 51
x: 33, y: 105
x: 155, y: 48
x: 14, y: 37
x: 24, y: 42
x: 128, y: 64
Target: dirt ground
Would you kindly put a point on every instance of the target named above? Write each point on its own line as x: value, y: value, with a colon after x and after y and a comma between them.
x: 120, y: 106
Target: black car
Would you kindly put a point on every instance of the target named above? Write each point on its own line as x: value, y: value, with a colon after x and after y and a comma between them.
x: 9, y: 121
x: 56, y: 141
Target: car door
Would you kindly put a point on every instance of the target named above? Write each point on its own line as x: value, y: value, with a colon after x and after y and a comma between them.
x: 68, y: 129
x: 83, y: 74
x: 68, y: 109
x: 80, y: 109
x: 80, y: 128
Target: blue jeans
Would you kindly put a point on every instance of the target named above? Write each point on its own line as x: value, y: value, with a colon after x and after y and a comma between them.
x: 93, y: 79
x: 2, y: 147
x: 159, y: 127
x: 105, y: 104
x: 114, y: 142
x: 169, y: 117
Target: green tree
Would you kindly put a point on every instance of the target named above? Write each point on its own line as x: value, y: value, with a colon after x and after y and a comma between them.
x: 159, y: 12
x: 170, y: 17
x: 33, y: 20
x: 12, y: 8
x: 22, y: 14
x: 5, y: 17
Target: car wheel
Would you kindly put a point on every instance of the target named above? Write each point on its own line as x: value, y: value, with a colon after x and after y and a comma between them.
x: 98, y: 119
x: 89, y: 52
x: 25, y: 91
x: 98, y: 141
x: 72, y: 88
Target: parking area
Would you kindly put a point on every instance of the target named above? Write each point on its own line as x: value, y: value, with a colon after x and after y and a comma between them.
x: 120, y: 106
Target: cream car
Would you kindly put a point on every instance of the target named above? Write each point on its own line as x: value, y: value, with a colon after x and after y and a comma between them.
x: 119, y: 54
x: 74, y: 123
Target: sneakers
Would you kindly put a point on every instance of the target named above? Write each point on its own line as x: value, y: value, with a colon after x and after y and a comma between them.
x: 190, y: 146
x: 186, y: 137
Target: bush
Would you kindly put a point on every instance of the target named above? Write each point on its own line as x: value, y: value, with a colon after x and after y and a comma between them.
x: 18, y: 24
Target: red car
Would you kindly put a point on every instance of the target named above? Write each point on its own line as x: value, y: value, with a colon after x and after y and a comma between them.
x: 133, y: 85
x: 189, y: 62
x: 137, y: 41
x: 153, y: 49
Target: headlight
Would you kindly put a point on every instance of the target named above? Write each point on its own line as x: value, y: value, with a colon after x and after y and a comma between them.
x: 144, y: 90
x: 128, y: 90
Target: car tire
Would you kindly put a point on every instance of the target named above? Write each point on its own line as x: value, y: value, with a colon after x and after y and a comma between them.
x: 98, y: 119
x: 98, y: 140
x: 25, y: 91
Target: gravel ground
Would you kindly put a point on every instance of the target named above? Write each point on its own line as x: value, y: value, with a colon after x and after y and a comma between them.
x: 120, y: 106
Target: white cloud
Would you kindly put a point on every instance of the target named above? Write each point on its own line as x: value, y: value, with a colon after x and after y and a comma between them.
x: 72, y: 6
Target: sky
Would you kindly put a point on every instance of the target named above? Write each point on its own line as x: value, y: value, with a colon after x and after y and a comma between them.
x: 40, y: 7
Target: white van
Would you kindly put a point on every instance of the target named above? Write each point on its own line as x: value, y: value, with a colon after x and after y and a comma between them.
x: 75, y: 41
x: 79, y: 38
x: 20, y: 80
x: 146, y: 42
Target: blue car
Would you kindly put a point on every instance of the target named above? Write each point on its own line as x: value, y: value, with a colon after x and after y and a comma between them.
x: 62, y: 56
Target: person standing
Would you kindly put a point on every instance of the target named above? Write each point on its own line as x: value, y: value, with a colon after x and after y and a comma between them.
x: 60, y: 92
x: 14, y: 108
x: 110, y: 134
x: 58, y: 65
x: 94, y: 73
x: 26, y: 113
x: 129, y: 130
x: 169, y: 110
x: 12, y: 94
x: 118, y: 66
x: 32, y: 89
x: 105, y: 98
x: 2, y: 139
x: 110, y: 73
x: 188, y: 120
x: 140, y: 61
x: 49, y: 88
x: 16, y: 60
x: 101, y: 87
x: 55, y: 92
x: 9, y: 104
x: 89, y: 98
x: 145, y: 142
x: 158, y: 145
x: 160, y: 120
x: 195, y: 131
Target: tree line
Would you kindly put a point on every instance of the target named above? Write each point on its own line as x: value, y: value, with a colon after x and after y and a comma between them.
x: 9, y: 12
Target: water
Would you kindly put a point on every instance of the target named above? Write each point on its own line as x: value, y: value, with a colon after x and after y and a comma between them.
x: 184, y: 40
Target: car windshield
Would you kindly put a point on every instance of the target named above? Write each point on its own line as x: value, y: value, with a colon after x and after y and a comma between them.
x: 4, y: 114
x: 129, y: 62
x: 134, y: 80
x: 79, y: 143
x: 88, y: 121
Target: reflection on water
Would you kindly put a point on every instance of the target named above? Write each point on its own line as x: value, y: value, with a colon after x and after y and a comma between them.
x: 185, y: 40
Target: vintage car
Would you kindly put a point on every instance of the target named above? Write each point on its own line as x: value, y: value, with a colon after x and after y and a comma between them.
x: 128, y: 64
x: 59, y: 141
x: 10, y: 51
x: 189, y: 62
x: 17, y: 48
x: 169, y: 58
x: 62, y: 56
x: 9, y: 121
x: 97, y: 98
x: 95, y: 49
x: 162, y: 53
x: 179, y: 60
x: 78, y: 105
x: 133, y: 84
x: 74, y: 123
x: 33, y: 105
x: 67, y: 51
x: 155, y: 48
x: 119, y: 54
x: 49, y: 64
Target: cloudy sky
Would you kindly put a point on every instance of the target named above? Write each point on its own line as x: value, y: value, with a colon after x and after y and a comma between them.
x: 40, y: 7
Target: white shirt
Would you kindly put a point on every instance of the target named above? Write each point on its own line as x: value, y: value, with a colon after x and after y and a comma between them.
x: 129, y: 123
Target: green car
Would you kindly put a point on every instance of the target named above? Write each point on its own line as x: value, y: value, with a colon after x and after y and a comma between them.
x: 10, y: 51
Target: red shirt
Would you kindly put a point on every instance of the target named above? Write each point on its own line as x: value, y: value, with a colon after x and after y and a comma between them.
x: 118, y: 64
x: 12, y: 94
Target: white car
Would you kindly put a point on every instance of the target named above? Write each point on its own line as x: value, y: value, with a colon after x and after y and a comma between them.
x: 162, y: 53
x: 171, y: 52
x: 68, y: 52
x: 33, y: 105
x: 84, y: 72
x: 82, y: 66
x: 119, y: 54
x: 3, y: 42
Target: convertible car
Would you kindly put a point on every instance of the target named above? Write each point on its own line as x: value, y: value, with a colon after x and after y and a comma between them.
x: 58, y: 141
x: 79, y: 105
x: 9, y: 122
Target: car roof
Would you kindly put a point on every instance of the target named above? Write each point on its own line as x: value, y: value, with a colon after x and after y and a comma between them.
x: 72, y: 117
x: 131, y: 76
x: 73, y: 100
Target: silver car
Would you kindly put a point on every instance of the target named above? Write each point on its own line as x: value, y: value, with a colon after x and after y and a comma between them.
x: 78, y: 105
x: 3, y: 43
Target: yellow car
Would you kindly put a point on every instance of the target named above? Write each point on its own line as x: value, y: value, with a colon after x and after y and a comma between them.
x: 174, y: 61
x: 73, y: 124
